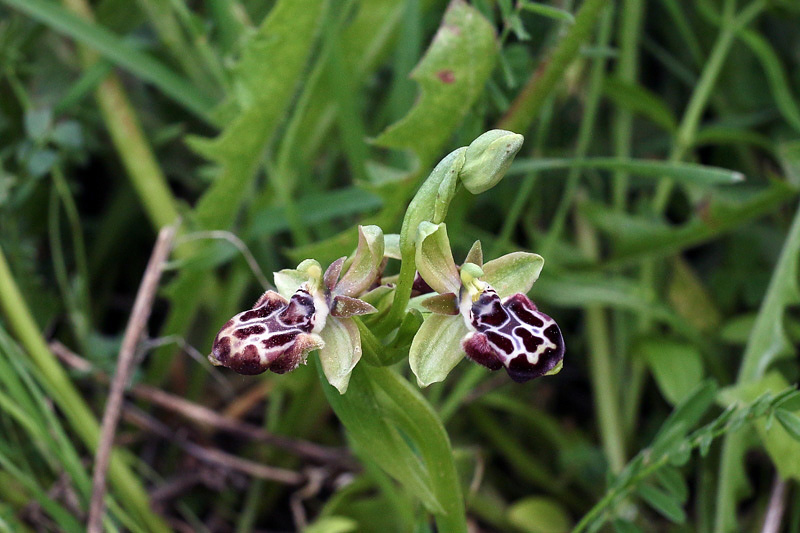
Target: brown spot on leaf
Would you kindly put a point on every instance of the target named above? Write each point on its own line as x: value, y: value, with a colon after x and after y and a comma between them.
x: 447, y: 76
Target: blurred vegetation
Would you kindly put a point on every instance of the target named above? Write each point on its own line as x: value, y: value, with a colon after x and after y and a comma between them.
x: 286, y: 123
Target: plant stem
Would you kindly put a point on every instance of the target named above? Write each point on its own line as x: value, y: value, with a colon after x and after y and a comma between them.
x: 533, y: 96
x: 627, y: 69
x: 604, y: 386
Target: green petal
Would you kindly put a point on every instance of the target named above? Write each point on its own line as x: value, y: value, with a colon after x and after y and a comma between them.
x: 365, y: 267
x: 513, y: 273
x: 391, y: 246
x: 341, y: 352
x: 475, y: 255
x: 287, y: 281
x: 435, y: 260
x: 488, y: 159
x: 436, y: 348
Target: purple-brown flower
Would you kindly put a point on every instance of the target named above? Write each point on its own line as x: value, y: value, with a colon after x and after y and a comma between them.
x: 482, y: 312
x: 310, y: 311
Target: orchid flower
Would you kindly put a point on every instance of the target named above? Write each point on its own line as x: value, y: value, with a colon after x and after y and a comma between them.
x: 310, y: 311
x: 481, y: 312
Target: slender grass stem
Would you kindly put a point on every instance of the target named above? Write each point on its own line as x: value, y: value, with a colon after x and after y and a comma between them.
x: 533, y: 96
x: 67, y: 396
x: 604, y: 386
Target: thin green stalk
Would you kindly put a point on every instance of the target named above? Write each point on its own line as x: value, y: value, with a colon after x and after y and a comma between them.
x: 585, y: 136
x: 78, y: 247
x: 67, y: 397
x: 533, y: 96
x: 528, y: 183
x: 170, y: 33
x: 627, y: 70
x: 604, y: 384
x: 699, y: 99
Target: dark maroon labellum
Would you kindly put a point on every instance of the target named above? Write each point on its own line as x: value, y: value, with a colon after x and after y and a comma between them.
x: 274, y: 335
x: 514, y: 334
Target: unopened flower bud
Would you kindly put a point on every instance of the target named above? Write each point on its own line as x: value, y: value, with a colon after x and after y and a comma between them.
x: 487, y: 159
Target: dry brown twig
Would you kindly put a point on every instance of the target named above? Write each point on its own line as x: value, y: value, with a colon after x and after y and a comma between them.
x: 204, y: 416
x: 217, y: 457
x: 133, y: 333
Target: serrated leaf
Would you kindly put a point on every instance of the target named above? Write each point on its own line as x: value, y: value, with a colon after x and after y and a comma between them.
x: 265, y: 80
x: 451, y: 76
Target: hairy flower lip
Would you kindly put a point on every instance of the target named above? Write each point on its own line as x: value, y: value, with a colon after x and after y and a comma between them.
x: 311, y: 310
x: 507, y: 332
x: 513, y: 333
x: 276, y: 335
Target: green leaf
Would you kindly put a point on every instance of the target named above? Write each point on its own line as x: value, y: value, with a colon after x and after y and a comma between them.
x: 781, y: 446
x: 673, y: 482
x: 548, y: 11
x: 332, y: 524
x: 676, y: 366
x: 38, y: 123
x: 539, y: 515
x: 635, y: 98
x: 451, y: 76
x: 689, y: 173
x: 265, y: 80
x: 341, y: 352
x: 116, y: 50
x: 685, y: 416
x: 513, y: 273
x: 782, y: 91
x: 634, y: 238
x: 436, y: 348
x: 623, y: 526
x: 790, y: 422
x: 390, y: 422
x: 664, y: 503
x: 434, y: 259
x: 789, y: 157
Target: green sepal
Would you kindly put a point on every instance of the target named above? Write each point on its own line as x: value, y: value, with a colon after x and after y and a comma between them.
x: 441, y: 304
x: 513, y: 273
x: 436, y: 348
x: 345, y: 307
x: 435, y: 259
x: 475, y: 255
x: 341, y: 352
x: 365, y: 268
x: 287, y: 281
